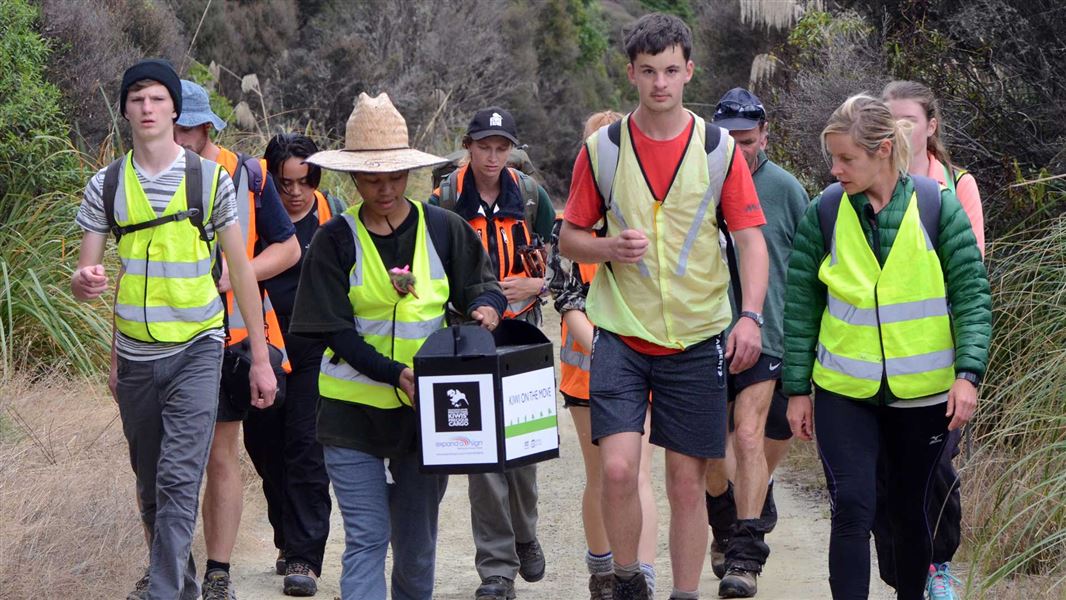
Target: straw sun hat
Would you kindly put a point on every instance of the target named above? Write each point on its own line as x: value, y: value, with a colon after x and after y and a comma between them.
x: 375, y: 141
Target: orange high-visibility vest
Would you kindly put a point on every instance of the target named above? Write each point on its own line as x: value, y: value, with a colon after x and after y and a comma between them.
x: 574, y: 358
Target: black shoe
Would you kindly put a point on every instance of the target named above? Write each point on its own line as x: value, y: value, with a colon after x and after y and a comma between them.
x: 738, y: 583
x: 601, y: 586
x: 631, y: 589
x: 279, y: 563
x: 495, y: 587
x: 769, y: 510
x: 530, y: 560
x: 718, y: 557
x: 217, y: 586
x: 300, y: 580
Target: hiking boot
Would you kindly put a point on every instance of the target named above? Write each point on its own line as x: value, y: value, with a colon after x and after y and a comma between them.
x: 631, y: 589
x: 140, y: 589
x: 279, y: 563
x: 718, y: 557
x: 601, y: 586
x: 738, y: 583
x: 300, y: 580
x: 530, y: 560
x: 941, y: 583
x: 217, y: 586
x: 495, y: 587
x: 769, y: 510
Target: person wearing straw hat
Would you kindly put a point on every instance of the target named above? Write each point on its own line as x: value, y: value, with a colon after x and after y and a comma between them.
x: 375, y: 284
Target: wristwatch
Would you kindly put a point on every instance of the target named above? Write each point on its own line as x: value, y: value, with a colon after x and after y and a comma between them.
x: 973, y: 378
x: 754, y: 316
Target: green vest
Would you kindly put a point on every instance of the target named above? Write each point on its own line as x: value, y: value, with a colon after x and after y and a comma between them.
x: 676, y: 296
x: 166, y: 293
x: 884, y: 322
x: 396, y: 326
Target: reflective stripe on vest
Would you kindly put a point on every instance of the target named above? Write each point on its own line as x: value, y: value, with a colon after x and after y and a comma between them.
x: 166, y: 293
x: 667, y: 298
x: 575, y: 359
x: 237, y: 329
x: 891, y: 322
x: 504, y: 232
x: 395, y: 326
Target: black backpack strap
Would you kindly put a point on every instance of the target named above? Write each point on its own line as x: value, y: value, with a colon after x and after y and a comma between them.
x: 711, y: 137
x: 828, y: 205
x: 448, y: 195
x: 437, y: 225
x: 530, y: 200
x: 108, y: 195
x: 928, y: 191
x: 614, y: 132
x: 194, y: 194
x: 256, y: 181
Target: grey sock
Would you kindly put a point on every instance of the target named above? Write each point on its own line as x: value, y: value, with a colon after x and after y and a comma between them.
x: 627, y: 572
x: 649, y: 576
x: 679, y: 595
x: 599, y: 564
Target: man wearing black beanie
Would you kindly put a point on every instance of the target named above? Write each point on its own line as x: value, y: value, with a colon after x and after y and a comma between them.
x: 169, y: 327
x: 158, y: 70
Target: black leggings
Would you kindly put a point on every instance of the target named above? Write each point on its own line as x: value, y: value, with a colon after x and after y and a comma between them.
x: 851, y: 435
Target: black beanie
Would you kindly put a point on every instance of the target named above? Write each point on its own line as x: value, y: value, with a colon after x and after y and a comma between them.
x: 156, y: 69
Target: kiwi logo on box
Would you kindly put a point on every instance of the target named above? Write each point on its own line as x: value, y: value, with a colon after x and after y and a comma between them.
x: 457, y: 406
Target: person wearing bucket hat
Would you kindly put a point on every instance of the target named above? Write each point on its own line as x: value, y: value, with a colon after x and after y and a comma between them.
x: 375, y: 284
x: 167, y: 345
x: 270, y: 244
x: 511, y: 213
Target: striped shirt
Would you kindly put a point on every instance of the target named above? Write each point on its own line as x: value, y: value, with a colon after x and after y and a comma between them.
x: 160, y: 190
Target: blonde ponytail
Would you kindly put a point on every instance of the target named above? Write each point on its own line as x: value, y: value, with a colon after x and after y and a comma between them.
x: 868, y: 122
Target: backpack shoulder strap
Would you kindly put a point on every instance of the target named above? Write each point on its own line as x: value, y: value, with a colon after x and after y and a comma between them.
x: 108, y: 194
x: 530, y: 200
x: 928, y: 191
x: 448, y: 196
x: 712, y: 135
x: 828, y: 206
x: 256, y: 181
x: 194, y: 193
x: 437, y: 225
x: 608, y: 142
x: 336, y: 205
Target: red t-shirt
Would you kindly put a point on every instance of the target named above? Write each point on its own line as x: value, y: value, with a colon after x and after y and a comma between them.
x: 661, y: 161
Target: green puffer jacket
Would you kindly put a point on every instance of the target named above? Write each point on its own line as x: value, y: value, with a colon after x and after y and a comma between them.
x: 966, y: 282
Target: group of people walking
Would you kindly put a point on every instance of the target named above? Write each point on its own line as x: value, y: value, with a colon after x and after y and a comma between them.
x: 708, y: 308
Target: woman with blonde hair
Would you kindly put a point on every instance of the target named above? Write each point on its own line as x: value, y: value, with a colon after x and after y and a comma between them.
x: 878, y: 258
x: 569, y: 285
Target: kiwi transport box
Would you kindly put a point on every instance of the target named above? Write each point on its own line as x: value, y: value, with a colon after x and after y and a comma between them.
x: 486, y: 401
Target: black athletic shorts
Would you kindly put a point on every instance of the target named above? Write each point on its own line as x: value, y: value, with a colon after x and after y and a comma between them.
x: 767, y: 368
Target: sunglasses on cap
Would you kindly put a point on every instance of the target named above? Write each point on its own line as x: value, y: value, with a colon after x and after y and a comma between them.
x: 730, y: 109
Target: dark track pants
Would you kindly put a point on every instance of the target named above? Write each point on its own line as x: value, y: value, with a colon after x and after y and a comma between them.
x: 851, y: 435
x: 283, y: 448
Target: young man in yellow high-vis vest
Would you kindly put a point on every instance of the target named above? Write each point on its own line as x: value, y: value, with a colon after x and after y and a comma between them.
x: 168, y: 314
x: 270, y: 244
x: 659, y: 179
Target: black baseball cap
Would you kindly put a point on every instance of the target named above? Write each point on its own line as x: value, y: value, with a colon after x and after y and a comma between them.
x: 491, y: 121
x: 739, y: 110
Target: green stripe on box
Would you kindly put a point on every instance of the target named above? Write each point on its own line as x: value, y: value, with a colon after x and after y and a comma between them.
x: 530, y: 426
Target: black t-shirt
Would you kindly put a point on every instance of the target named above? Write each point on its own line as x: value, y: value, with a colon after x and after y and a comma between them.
x: 323, y: 310
x: 282, y: 287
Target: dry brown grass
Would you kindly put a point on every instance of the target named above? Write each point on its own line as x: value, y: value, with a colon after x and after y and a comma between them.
x: 68, y: 523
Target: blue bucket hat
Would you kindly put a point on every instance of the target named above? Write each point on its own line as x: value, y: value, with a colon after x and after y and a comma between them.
x: 196, y: 107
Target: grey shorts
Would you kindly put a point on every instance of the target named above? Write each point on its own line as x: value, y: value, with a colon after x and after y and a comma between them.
x: 688, y: 394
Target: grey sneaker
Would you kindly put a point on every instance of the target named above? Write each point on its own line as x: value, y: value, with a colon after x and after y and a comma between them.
x: 601, y: 586
x: 300, y: 580
x: 494, y: 587
x: 217, y: 586
x: 140, y: 589
x: 738, y: 583
x: 530, y: 560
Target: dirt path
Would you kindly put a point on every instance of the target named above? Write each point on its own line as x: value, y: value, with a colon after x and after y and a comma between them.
x: 796, y: 570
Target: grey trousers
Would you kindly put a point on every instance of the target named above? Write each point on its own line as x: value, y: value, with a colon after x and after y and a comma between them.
x: 168, y: 410
x: 503, y: 511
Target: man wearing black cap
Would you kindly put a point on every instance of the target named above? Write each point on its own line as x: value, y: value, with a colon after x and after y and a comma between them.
x: 511, y: 214
x: 761, y: 432
x: 167, y: 349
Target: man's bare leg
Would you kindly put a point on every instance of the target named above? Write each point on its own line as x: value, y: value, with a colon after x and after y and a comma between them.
x: 685, y: 483
x: 776, y: 451
x: 224, y: 494
x: 620, y: 458
x: 752, y: 406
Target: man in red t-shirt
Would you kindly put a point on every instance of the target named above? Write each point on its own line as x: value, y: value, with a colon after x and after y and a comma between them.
x: 661, y: 303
